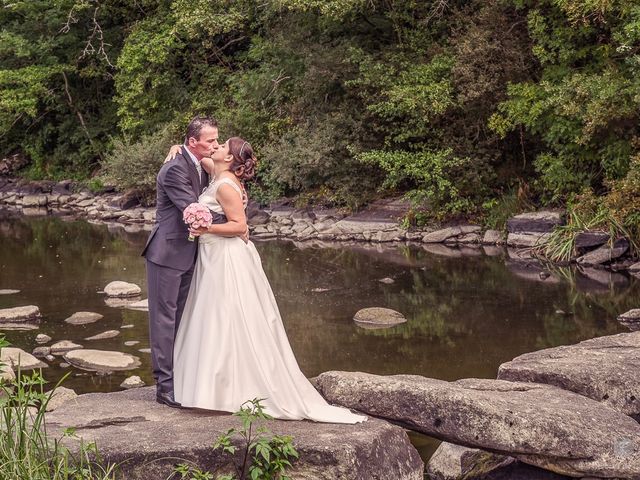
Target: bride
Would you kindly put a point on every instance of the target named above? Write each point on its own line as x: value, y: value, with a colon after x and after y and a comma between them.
x: 231, y: 345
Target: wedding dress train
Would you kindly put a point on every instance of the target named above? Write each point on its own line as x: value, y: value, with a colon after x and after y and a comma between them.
x: 231, y: 345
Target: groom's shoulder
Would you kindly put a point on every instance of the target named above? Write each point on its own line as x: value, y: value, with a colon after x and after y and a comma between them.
x: 175, y: 164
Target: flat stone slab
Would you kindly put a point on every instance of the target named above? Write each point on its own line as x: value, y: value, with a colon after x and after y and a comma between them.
x: 8, y: 291
x: 444, y: 234
x: 19, y: 314
x: 605, y: 369
x: 148, y: 439
x: 378, y: 317
x: 543, y: 221
x: 104, y: 335
x: 101, y: 360
x: 13, y: 357
x: 526, y: 240
x: 631, y: 319
x: 82, y: 318
x: 122, y: 289
x: 605, y: 253
x: 538, y: 424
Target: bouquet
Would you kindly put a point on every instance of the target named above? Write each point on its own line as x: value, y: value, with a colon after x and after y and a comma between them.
x: 197, y: 215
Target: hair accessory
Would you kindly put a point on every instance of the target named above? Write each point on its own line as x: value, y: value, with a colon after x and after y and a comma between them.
x: 241, y: 149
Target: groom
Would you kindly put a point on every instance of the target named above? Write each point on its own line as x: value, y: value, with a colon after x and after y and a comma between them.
x: 170, y: 256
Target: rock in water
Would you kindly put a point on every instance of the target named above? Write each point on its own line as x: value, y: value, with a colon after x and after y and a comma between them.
x: 631, y: 319
x: 101, y: 360
x: 142, y: 305
x: 453, y: 462
x: 82, y: 318
x: 13, y: 357
x: 42, y: 338
x: 133, y: 381
x: 104, y: 335
x: 378, y: 317
x: 122, y: 289
x: 538, y: 424
x: 19, y: 314
x: 604, y: 369
x: 8, y: 291
x: 64, y: 346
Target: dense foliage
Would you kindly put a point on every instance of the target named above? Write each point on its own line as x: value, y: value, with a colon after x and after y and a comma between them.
x: 458, y: 103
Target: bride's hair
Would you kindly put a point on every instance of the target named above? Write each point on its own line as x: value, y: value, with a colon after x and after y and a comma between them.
x: 244, y: 160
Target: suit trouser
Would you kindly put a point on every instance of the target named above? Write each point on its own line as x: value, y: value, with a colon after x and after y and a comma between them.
x: 168, y: 289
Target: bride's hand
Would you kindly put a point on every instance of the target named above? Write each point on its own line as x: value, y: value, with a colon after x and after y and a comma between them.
x: 245, y: 236
x: 173, y: 151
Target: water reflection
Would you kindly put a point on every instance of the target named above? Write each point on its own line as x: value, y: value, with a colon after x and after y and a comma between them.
x: 468, y: 310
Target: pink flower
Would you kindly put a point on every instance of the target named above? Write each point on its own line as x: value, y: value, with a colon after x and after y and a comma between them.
x: 197, y: 215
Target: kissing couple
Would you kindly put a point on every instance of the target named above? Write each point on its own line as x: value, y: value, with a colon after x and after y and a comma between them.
x: 216, y: 335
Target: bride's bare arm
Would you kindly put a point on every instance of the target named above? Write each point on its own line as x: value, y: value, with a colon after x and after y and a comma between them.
x: 173, y: 151
x: 207, y: 164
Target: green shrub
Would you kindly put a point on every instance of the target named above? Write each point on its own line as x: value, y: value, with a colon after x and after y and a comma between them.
x: 135, y: 164
x: 439, y: 183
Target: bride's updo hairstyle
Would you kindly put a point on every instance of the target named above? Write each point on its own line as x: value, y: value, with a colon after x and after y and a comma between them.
x: 244, y: 160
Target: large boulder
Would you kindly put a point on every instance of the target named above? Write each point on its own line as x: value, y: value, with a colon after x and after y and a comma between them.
x: 454, y: 462
x: 540, y: 425
x: 149, y: 439
x: 543, y: 221
x: 604, y: 369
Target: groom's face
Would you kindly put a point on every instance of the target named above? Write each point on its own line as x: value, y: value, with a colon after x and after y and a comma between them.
x: 206, y: 144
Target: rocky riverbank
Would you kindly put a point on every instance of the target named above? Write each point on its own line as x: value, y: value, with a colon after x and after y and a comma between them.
x: 543, y: 418
x: 378, y: 223
x: 149, y: 439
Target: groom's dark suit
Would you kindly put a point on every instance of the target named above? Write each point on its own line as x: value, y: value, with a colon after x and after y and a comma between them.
x: 170, y: 260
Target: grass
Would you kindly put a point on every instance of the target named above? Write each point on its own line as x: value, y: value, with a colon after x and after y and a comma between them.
x: 27, y: 451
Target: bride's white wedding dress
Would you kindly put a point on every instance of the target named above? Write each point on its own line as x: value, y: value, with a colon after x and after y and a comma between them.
x: 231, y: 345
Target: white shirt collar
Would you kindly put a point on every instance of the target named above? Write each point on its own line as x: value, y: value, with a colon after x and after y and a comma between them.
x: 191, y: 156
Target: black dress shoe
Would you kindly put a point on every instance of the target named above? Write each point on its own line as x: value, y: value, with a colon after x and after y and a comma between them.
x: 167, y: 399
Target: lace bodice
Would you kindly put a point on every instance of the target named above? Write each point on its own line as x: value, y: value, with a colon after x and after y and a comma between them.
x: 208, y: 197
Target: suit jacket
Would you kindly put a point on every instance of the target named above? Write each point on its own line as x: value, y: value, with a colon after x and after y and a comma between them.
x: 177, y: 186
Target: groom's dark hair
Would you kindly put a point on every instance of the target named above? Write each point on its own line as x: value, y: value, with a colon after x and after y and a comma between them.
x: 197, y: 124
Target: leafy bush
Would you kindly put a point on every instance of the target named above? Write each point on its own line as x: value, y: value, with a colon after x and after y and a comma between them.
x: 135, y: 164
x: 439, y: 183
